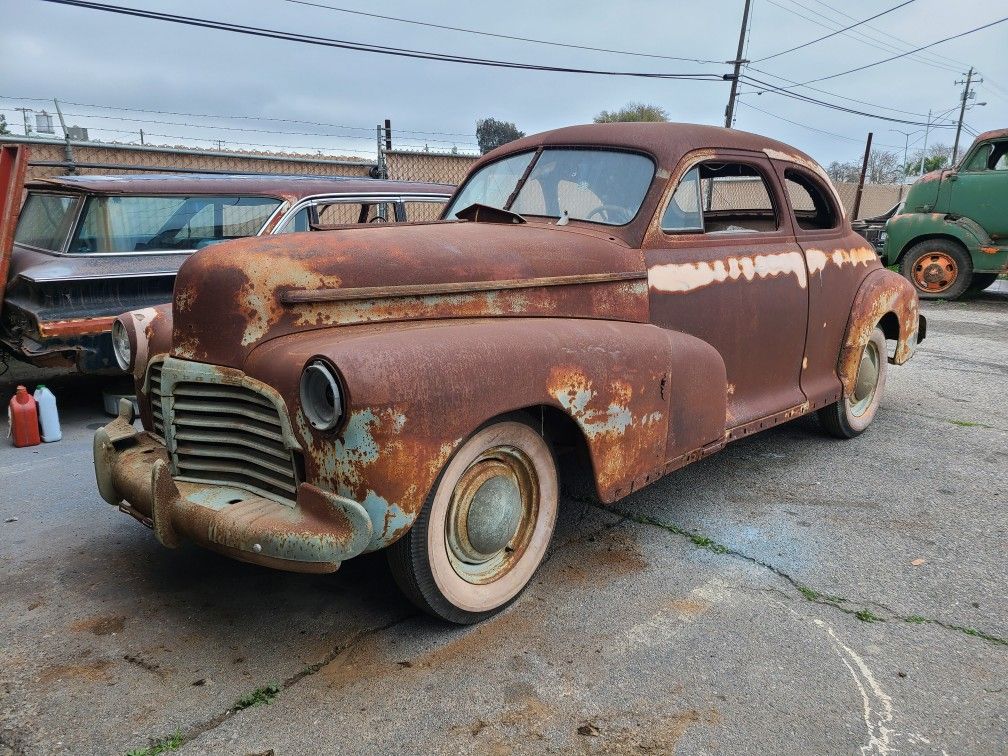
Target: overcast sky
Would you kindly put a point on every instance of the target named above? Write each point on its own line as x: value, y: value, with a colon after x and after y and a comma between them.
x: 84, y: 56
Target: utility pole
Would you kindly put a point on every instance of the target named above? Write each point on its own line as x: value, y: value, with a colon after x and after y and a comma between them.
x: 67, y: 147
x: 927, y: 129
x: 24, y: 114
x: 860, y: 186
x: 729, y: 113
x: 966, y: 94
x: 906, y: 148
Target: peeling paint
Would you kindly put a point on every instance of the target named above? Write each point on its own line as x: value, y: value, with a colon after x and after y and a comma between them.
x: 683, y: 277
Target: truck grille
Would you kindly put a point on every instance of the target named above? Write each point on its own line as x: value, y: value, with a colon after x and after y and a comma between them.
x: 228, y: 433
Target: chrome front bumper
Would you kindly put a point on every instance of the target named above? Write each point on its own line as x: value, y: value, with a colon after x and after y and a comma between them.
x: 315, y: 534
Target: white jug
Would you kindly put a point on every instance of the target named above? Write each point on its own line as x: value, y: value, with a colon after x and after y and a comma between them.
x: 48, y: 415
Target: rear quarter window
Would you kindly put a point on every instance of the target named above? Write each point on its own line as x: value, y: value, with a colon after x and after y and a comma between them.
x: 46, y: 219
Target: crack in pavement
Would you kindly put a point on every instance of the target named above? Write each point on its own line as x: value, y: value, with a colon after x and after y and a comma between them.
x: 183, y: 737
x: 839, y: 603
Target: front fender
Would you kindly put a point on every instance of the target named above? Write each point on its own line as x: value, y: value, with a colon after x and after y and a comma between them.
x: 881, y: 293
x: 417, y: 391
x: 902, y: 231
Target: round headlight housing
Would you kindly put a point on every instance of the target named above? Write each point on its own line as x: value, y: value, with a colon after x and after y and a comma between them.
x: 321, y: 397
x: 121, y: 346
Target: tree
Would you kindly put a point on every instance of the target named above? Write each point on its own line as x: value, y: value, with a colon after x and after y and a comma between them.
x: 633, y: 111
x: 883, y: 168
x: 491, y: 133
x: 938, y: 156
x: 3, y: 125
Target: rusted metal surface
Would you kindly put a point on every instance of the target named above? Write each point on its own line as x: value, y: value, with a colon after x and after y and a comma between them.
x: 882, y: 294
x: 13, y: 164
x: 58, y: 305
x: 653, y: 349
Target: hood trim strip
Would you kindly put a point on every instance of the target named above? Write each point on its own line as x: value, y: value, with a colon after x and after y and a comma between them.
x: 309, y: 296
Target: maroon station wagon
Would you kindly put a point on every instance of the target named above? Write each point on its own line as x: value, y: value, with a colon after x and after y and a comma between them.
x: 629, y: 296
x: 88, y: 248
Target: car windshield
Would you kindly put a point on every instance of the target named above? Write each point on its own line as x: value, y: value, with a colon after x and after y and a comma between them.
x: 600, y: 186
x: 180, y: 223
x: 45, y: 220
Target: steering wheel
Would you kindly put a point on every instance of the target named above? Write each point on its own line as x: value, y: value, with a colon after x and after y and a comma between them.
x: 378, y: 219
x: 615, y: 214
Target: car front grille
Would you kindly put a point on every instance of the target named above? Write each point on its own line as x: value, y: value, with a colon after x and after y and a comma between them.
x: 154, y: 394
x: 224, y: 433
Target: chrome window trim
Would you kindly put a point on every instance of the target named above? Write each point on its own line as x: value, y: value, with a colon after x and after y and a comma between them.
x: 333, y: 199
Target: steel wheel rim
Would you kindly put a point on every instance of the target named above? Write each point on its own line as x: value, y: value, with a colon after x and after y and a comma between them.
x: 934, y: 272
x: 869, y: 372
x: 475, y: 524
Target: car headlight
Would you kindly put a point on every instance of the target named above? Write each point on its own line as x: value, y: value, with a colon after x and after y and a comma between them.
x: 121, y: 346
x: 321, y: 397
x: 882, y: 237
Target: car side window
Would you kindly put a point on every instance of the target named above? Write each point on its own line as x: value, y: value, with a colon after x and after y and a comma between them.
x: 990, y: 157
x: 733, y: 198
x: 684, y: 208
x: 424, y: 210
x: 813, y: 210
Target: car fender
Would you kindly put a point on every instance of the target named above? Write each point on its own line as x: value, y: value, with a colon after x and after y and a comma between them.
x: 417, y: 391
x: 905, y: 230
x: 882, y: 296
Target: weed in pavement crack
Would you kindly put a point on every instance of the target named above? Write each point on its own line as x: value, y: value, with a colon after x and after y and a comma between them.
x: 261, y: 695
x: 810, y: 594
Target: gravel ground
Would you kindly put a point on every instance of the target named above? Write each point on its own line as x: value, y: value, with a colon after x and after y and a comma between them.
x: 793, y: 594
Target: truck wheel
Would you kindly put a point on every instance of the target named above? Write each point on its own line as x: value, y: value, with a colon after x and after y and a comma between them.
x: 938, y: 269
x: 982, y: 281
x: 848, y: 417
x: 484, y: 528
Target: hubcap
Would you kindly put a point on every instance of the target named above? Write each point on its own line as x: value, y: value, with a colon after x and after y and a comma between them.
x: 935, y: 272
x: 491, y: 515
x: 867, y: 379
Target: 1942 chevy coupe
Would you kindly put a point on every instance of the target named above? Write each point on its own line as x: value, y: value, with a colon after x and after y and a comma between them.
x: 642, y: 294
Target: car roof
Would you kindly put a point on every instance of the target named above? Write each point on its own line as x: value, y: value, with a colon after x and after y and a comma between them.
x: 667, y: 142
x: 285, y: 186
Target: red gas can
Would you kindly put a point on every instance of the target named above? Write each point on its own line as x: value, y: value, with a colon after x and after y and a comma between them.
x: 22, y: 413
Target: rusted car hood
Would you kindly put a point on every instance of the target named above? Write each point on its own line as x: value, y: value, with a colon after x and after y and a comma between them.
x: 231, y: 297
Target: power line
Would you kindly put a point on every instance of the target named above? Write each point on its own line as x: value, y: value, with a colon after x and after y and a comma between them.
x: 903, y: 55
x: 834, y: 94
x: 261, y: 131
x: 932, y: 58
x: 786, y: 92
x: 369, y: 129
x: 811, y: 128
x: 500, y: 36
x: 857, y: 36
x: 361, y: 47
x: 833, y: 34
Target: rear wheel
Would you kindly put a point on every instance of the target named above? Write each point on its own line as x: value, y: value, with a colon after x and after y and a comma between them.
x: 485, y: 527
x: 938, y: 268
x: 848, y: 417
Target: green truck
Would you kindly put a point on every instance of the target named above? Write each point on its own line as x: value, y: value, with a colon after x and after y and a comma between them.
x: 951, y: 235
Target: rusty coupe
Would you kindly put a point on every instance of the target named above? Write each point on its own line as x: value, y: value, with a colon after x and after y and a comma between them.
x: 633, y: 296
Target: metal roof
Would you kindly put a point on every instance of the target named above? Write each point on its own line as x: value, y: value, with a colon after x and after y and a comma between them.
x: 291, y: 187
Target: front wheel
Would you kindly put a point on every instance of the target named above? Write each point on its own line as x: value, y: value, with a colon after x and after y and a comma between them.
x: 938, y: 268
x: 854, y: 412
x: 484, y: 528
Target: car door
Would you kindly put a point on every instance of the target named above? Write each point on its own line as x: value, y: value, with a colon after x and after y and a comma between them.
x: 837, y: 260
x: 724, y: 266
x: 979, y: 190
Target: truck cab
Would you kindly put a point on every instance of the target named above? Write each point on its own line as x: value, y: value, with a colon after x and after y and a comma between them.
x: 951, y: 235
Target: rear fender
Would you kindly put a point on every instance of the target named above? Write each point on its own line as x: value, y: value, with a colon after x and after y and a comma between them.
x: 882, y: 292
x: 417, y: 391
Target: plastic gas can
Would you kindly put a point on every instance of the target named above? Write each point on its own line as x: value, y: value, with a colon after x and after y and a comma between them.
x: 22, y: 414
x: 47, y: 414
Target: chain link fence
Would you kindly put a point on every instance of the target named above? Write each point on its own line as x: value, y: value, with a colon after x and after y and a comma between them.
x: 436, y: 167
